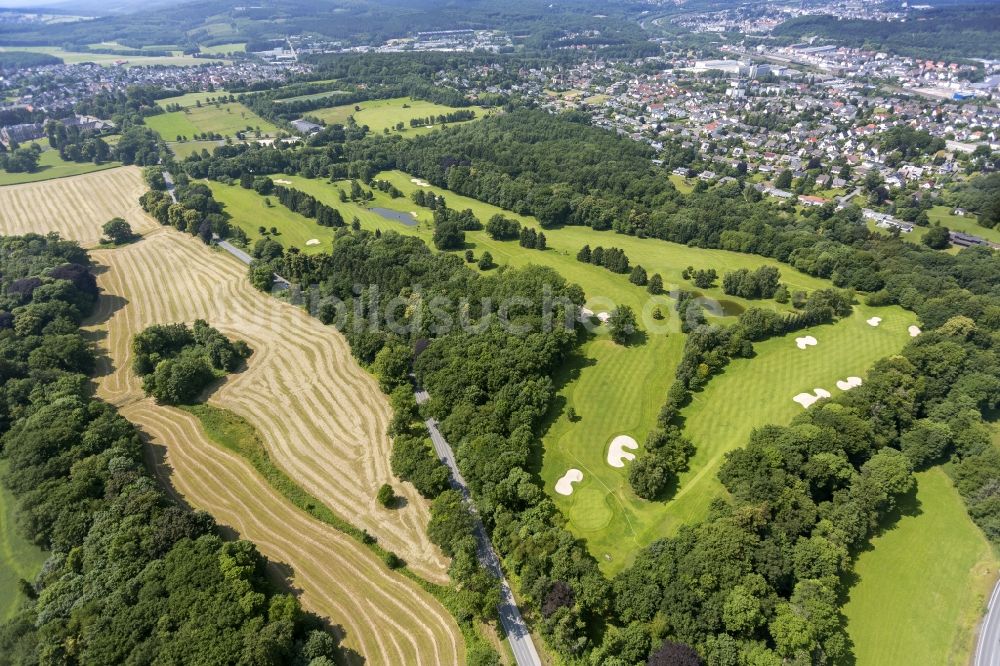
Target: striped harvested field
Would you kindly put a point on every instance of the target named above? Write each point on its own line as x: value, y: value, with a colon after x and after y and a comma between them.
x: 321, y: 416
x: 75, y: 207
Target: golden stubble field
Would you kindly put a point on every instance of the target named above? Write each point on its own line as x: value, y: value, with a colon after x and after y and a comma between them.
x: 75, y: 207
x: 322, y: 417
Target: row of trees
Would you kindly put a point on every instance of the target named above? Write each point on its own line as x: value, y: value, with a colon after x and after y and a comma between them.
x: 612, y: 258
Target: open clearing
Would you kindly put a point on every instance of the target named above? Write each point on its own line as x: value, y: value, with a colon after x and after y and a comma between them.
x: 19, y: 558
x: 225, y: 119
x: 382, y: 114
x: 919, y: 591
x: 322, y: 417
x: 75, y: 207
x: 51, y: 166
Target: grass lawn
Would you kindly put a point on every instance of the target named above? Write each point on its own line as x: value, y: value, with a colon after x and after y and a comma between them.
x: 18, y: 557
x: 225, y: 119
x: 966, y: 224
x: 920, y: 590
x: 183, y: 149
x: 681, y: 183
x: 188, y: 100
x: 758, y: 391
x: 381, y: 114
x: 250, y: 213
x: 108, y: 59
x: 50, y: 166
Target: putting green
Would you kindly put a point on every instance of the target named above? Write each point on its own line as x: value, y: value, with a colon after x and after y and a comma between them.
x: 590, y: 510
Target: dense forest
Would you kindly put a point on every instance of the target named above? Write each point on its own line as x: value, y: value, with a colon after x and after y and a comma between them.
x: 969, y: 31
x: 133, y: 577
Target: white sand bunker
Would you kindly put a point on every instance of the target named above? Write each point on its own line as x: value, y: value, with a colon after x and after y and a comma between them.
x: 585, y: 314
x: 312, y: 241
x: 875, y: 321
x: 914, y: 330
x: 414, y: 214
x: 807, y: 341
x: 420, y: 182
x: 282, y: 181
x: 849, y: 383
x: 617, y: 455
x: 564, y: 486
x: 604, y: 317
x: 807, y: 399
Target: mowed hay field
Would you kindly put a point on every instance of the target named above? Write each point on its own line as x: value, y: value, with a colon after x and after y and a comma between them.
x: 323, y: 419
x: 321, y: 416
x: 919, y: 592
x: 75, y: 207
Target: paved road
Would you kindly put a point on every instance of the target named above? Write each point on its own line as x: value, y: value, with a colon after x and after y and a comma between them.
x: 169, y: 180
x: 988, y: 646
x: 513, y: 623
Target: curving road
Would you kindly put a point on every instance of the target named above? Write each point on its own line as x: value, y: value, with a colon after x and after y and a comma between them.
x: 513, y: 623
x: 988, y: 646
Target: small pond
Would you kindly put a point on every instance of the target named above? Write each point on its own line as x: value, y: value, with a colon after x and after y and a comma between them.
x: 395, y: 215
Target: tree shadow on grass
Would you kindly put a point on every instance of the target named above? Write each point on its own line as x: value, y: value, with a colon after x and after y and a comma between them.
x: 567, y: 373
x: 280, y: 574
x: 908, y: 506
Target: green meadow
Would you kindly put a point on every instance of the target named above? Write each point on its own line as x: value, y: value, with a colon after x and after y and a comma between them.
x: 18, y: 557
x: 188, y: 100
x: 918, y: 593
x: 384, y: 114
x: 225, y: 119
x: 50, y: 166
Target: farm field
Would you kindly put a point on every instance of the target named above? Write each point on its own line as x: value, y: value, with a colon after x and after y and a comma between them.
x: 319, y: 95
x: 325, y: 428
x: 19, y: 558
x: 76, y: 207
x: 142, y: 286
x: 50, y: 166
x: 381, y: 114
x: 109, y: 59
x: 225, y: 119
x: 918, y: 592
